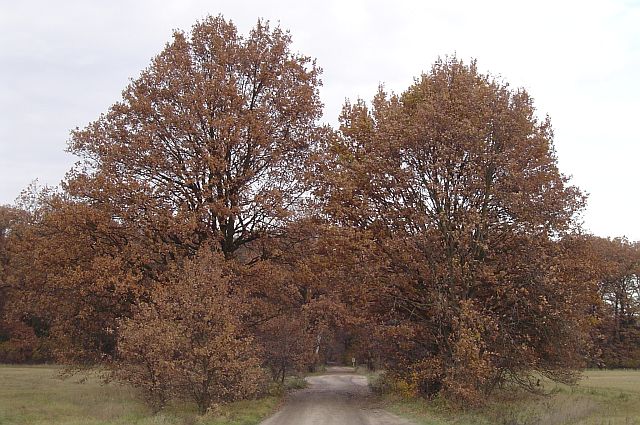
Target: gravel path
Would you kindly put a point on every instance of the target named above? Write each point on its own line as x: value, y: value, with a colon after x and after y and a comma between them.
x: 338, y: 398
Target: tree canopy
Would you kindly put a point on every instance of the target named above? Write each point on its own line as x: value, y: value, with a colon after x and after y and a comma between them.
x: 209, y: 143
x: 213, y: 227
x: 457, y: 181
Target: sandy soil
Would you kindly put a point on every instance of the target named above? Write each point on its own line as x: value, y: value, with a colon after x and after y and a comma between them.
x: 337, y: 398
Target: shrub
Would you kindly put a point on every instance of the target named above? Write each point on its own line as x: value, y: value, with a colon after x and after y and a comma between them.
x: 188, y: 341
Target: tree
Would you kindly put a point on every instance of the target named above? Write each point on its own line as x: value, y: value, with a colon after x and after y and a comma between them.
x: 618, y: 272
x: 456, y: 180
x: 6, y: 218
x: 209, y: 143
x: 75, y: 271
x: 188, y: 341
x: 207, y: 146
x: 22, y: 336
x: 287, y: 345
x: 302, y: 295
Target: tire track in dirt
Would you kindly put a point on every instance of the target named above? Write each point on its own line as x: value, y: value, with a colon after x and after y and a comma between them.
x: 338, y: 398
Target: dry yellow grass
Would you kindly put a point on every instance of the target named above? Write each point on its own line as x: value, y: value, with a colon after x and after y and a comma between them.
x: 601, y: 398
x: 625, y: 380
x: 37, y: 395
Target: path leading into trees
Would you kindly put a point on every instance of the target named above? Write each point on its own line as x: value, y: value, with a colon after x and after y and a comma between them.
x: 338, y: 398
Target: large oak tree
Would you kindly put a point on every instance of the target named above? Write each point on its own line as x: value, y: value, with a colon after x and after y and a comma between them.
x: 456, y: 180
x: 207, y: 146
x: 209, y: 143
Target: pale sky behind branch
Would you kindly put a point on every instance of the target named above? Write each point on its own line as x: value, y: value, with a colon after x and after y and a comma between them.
x: 63, y: 63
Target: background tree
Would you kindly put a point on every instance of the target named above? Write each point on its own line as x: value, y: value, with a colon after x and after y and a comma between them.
x: 618, y: 273
x: 303, y: 296
x: 457, y: 182
x: 7, y: 217
x: 23, y: 335
x: 287, y: 346
x: 75, y: 272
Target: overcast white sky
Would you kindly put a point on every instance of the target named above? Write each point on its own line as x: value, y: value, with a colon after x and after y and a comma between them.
x: 62, y: 63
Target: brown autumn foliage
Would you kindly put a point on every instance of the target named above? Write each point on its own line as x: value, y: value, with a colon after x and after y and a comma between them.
x: 618, y: 273
x: 76, y: 273
x: 6, y: 219
x: 212, y: 228
x: 287, y: 346
x: 207, y: 147
x: 209, y: 143
x: 188, y: 341
x: 22, y: 336
x: 457, y: 182
x: 302, y: 295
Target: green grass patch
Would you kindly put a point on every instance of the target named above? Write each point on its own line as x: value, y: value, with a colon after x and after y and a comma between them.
x: 600, y: 398
x: 294, y: 383
x: 37, y: 395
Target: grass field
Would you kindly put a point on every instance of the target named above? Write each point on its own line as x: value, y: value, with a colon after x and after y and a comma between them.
x: 601, y: 398
x: 36, y: 395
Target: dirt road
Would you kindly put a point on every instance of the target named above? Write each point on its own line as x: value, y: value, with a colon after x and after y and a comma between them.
x: 338, y: 398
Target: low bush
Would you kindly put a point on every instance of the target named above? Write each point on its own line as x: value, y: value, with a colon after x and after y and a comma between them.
x: 188, y: 341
